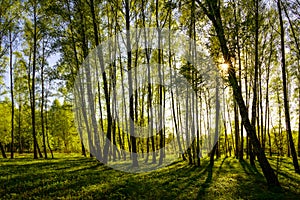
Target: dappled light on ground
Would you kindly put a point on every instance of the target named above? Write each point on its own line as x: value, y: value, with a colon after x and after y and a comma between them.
x: 85, y: 178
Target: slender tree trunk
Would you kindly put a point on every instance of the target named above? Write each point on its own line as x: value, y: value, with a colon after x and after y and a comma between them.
x: 231, y: 131
x: 299, y: 123
x: 39, y: 150
x: 261, y: 110
x: 247, y: 98
x: 12, y: 95
x: 136, y: 91
x: 124, y: 116
x: 74, y: 74
x: 105, y: 85
x: 2, y: 151
x: 90, y: 92
x: 131, y: 98
x: 187, y: 127
x: 298, y: 55
x: 299, y: 112
x: 149, y: 108
x: 19, y: 125
x: 46, y: 130
x: 241, y: 146
x: 256, y: 65
x: 226, y: 142
x: 160, y: 111
x: 285, y: 93
x: 267, y: 107
x: 42, y: 103
x: 35, y: 153
x: 81, y: 91
x: 236, y: 130
x: 216, y: 136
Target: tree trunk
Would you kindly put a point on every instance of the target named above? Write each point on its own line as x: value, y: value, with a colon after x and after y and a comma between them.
x: 299, y: 122
x: 42, y: 104
x: 12, y: 95
x: 80, y: 88
x: 236, y: 130
x: 39, y: 150
x: 2, y: 151
x: 254, y: 102
x: 131, y: 98
x: 46, y: 130
x: 214, y: 15
x: 285, y: 93
x: 241, y: 146
x: 90, y: 92
x: 105, y: 85
x: 160, y: 92
x: 74, y: 74
x: 35, y: 153
x: 19, y: 125
x: 216, y: 124
x: 267, y: 107
x: 247, y: 98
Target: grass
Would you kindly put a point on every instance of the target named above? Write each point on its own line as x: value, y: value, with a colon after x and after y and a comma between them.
x: 75, y: 177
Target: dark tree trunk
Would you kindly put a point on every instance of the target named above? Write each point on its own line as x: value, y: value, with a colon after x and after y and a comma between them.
x: 213, y: 12
x: 35, y: 153
x: 2, y: 151
x: 299, y: 125
x: 236, y: 130
x: 74, y: 74
x: 19, y: 126
x: 254, y: 102
x: 42, y: 104
x: 241, y: 146
x: 131, y: 98
x: 247, y: 99
x: 80, y: 88
x: 160, y: 112
x: 39, y: 150
x: 298, y: 55
x: 12, y: 95
x: 105, y: 85
x: 285, y: 94
x: 90, y: 92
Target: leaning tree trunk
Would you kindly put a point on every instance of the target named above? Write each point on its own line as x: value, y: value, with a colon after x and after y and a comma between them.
x: 214, y: 14
x: 298, y: 55
x: 285, y: 94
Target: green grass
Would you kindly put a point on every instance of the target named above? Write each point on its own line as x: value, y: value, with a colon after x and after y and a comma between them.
x: 74, y: 177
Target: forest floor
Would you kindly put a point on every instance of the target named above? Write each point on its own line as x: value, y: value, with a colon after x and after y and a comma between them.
x: 70, y: 176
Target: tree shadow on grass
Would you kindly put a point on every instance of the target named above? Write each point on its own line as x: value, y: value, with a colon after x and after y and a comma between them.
x: 249, y: 169
x: 209, y: 169
x: 86, y: 179
x: 207, y: 182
